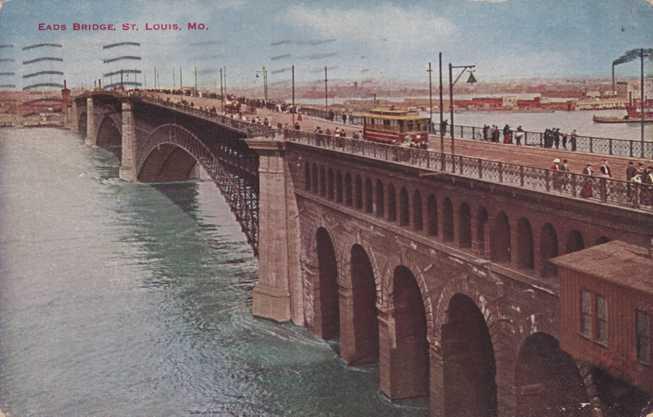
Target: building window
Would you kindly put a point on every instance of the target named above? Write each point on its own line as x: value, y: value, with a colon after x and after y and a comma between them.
x: 601, y: 320
x: 643, y: 336
x: 586, y: 313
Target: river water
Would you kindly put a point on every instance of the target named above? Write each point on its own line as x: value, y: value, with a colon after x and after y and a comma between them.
x: 122, y: 299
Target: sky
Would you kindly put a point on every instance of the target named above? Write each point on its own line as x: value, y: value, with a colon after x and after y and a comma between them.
x: 369, y: 39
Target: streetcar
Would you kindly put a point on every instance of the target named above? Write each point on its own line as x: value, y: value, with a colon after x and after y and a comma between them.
x: 397, y: 127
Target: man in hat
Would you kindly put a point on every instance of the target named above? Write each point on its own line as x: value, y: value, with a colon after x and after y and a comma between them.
x: 556, y: 174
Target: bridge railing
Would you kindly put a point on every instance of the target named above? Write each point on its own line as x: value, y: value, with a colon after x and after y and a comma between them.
x: 588, y: 144
x: 564, y: 184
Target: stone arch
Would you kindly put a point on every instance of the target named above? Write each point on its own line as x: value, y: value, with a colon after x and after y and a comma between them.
x: 339, y: 186
x: 83, y: 121
x: 404, y: 207
x: 331, y: 186
x: 369, y: 196
x: 500, y: 248
x: 575, y: 241
x: 359, y: 328
x: 525, y: 254
x: 418, y: 222
x: 109, y: 135
x: 432, y: 215
x: 323, y: 181
x: 481, y: 228
x: 307, y: 176
x: 358, y: 192
x: 447, y: 220
x: 547, y: 380
x: 469, y: 365
x: 315, y: 179
x: 349, y: 198
x: 392, y: 203
x: 548, y: 249
x: 380, y: 199
x: 410, y: 355
x: 325, y: 298
x: 464, y: 226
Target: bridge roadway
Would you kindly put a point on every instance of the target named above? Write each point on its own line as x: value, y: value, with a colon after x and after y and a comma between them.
x: 521, y: 155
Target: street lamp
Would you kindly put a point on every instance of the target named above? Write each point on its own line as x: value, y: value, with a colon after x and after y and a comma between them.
x: 264, y: 72
x: 452, y: 82
x: 430, y: 70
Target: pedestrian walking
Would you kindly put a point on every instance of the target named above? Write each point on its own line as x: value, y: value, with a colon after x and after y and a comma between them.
x: 586, y: 190
x: 606, y: 172
x: 572, y: 140
x: 519, y: 135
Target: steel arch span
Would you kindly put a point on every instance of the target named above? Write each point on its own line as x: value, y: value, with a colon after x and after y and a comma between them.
x: 170, y: 152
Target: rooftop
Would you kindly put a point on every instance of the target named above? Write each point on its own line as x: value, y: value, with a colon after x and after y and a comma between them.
x: 616, y: 261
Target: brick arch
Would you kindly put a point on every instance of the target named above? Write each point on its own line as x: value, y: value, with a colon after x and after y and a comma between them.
x: 109, y: 134
x: 502, y: 331
x: 404, y: 259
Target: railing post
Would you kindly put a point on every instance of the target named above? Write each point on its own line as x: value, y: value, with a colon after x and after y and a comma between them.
x: 541, y: 140
x: 500, y: 172
x: 610, y: 146
x: 473, y: 132
x: 603, y: 189
x: 462, y: 134
x: 479, y: 161
x: 460, y: 163
x: 521, y: 175
x: 547, y: 180
x: 630, y: 145
x: 591, y: 145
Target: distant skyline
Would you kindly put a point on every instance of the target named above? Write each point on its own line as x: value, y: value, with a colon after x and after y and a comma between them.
x: 389, y: 40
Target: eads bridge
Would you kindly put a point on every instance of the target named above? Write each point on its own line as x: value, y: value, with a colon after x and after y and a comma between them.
x: 435, y: 267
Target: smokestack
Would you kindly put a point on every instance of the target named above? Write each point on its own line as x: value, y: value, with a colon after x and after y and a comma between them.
x: 100, y: 83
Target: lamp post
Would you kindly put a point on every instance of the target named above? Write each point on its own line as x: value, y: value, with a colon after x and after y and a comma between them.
x: 430, y: 70
x: 326, y: 92
x: 292, y: 79
x: 441, y: 113
x: 452, y: 82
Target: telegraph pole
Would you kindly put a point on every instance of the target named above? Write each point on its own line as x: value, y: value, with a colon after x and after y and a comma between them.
x: 641, y: 101
x: 195, y: 73
x: 441, y: 112
x: 326, y: 91
x: 181, y: 79
x: 430, y: 70
x: 292, y: 69
x: 225, y: 79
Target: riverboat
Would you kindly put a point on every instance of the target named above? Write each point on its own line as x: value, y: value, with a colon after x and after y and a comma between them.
x: 633, y: 114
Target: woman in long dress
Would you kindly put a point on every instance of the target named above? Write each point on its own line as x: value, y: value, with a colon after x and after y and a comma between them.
x: 586, y: 191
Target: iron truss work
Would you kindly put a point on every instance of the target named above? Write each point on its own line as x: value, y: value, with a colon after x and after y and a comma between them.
x: 232, y: 166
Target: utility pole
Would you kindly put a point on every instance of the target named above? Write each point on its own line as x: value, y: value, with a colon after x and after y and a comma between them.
x: 451, y: 106
x: 441, y: 113
x: 174, y: 79
x: 195, y: 73
x: 326, y: 91
x: 225, y: 80
x: 292, y: 69
x: 641, y: 102
x: 181, y: 79
x: 430, y: 70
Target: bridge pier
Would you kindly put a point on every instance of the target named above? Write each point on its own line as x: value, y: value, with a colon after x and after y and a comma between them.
x: 91, y: 137
x: 127, y: 170
x: 74, y: 120
x: 278, y: 292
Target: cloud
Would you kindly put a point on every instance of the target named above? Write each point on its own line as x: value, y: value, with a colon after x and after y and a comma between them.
x: 528, y: 65
x: 494, y: 1
x: 414, y: 26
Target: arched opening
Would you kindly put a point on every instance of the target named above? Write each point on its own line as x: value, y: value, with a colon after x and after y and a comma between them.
x: 307, y: 176
x: 167, y: 162
x: 432, y: 215
x: 358, y: 192
x: 481, y: 227
x: 82, y: 124
x: 327, y: 317
x: 323, y: 181
x: 418, y: 224
x: 602, y: 240
x: 359, y: 338
x: 331, y: 186
x: 404, y: 208
x: 339, y: 187
x: 392, y: 203
x: 525, y: 244
x: 548, y: 249
x: 547, y: 381
x: 369, y: 196
x: 447, y: 225
x: 469, y: 366
x: 575, y: 241
x: 348, y: 191
x: 501, y: 239
x: 380, y: 199
x: 410, y: 333
x: 465, y: 227
x: 109, y: 137
x: 315, y: 179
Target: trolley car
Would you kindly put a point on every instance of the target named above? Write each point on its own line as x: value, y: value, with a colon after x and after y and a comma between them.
x: 395, y: 127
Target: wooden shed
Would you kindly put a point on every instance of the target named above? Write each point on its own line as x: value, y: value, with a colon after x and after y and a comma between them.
x: 606, y: 302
